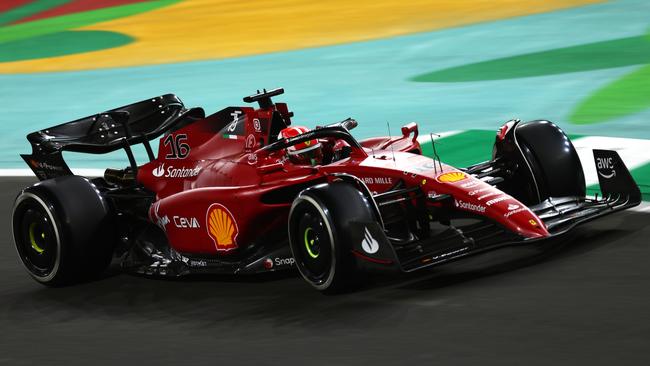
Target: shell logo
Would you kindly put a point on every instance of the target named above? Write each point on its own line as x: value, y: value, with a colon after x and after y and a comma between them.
x: 222, y: 227
x: 451, y: 177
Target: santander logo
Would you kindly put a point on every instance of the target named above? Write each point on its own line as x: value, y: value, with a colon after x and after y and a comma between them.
x: 172, y: 172
x: 159, y: 171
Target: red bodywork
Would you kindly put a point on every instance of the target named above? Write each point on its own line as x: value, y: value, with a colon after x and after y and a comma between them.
x: 217, y: 192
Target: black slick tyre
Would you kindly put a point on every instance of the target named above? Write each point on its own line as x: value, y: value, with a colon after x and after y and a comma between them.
x: 320, y: 225
x: 62, y: 230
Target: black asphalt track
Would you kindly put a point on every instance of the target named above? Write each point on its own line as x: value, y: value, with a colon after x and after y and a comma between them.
x: 584, y: 302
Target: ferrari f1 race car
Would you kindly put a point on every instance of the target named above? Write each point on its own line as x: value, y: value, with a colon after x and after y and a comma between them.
x: 242, y: 191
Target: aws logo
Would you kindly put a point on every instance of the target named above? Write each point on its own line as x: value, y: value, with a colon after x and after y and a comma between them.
x: 606, y: 167
x: 222, y: 227
x: 451, y: 177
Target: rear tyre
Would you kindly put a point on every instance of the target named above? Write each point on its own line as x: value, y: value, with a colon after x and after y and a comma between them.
x: 319, y: 234
x: 62, y: 230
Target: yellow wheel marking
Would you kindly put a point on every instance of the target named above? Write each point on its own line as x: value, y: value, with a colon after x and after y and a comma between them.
x: 32, y: 239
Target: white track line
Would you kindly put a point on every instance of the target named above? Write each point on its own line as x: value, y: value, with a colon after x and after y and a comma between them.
x: 426, y: 138
x: 28, y: 172
x: 643, y: 207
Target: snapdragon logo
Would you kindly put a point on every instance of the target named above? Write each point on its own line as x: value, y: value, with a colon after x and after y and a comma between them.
x: 270, y: 263
x: 284, y: 261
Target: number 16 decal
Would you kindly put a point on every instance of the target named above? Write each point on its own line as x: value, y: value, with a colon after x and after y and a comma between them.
x: 179, y: 149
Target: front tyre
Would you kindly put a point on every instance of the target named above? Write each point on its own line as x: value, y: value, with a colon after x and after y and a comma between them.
x: 312, y: 242
x: 542, y: 160
x: 320, y: 232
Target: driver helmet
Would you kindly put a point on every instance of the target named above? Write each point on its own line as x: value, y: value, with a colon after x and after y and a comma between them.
x: 306, y: 152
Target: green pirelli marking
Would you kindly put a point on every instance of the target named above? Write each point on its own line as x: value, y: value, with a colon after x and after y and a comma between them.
x: 309, y: 243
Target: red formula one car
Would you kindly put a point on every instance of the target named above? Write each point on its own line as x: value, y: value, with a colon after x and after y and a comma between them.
x: 241, y: 191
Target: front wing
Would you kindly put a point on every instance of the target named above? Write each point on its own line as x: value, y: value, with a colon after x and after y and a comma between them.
x: 374, y: 250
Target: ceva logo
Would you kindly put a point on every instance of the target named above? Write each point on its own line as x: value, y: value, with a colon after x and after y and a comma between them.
x: 159, y: 171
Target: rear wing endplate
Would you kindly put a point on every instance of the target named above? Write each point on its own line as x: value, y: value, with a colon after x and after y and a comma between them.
x: 119, y: 128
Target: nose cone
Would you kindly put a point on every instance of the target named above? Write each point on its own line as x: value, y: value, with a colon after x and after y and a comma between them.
x: 516, y: 216
x: 472, y: 195
x: 475, y: 196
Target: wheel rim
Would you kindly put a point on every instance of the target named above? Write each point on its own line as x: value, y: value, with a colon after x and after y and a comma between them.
x: 36, y: 238
x: 312, y: 244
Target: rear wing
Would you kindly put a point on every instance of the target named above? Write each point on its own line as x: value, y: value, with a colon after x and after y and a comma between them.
x: 118, y: 128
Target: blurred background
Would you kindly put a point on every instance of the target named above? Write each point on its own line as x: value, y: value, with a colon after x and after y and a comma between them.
x: 460, y: 68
